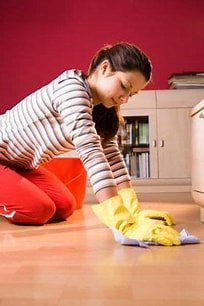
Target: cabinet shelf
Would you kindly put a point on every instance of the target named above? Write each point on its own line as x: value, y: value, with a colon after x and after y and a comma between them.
x: 134, y: 144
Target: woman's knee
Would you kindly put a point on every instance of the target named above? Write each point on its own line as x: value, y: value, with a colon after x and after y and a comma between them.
x: 37, y: 214
x: 69, y: 207
x: 45, y: 211
x: 65, y: 208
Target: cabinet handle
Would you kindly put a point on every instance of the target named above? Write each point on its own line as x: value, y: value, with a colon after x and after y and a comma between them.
x: 154, y: 143
x: 161, y: 143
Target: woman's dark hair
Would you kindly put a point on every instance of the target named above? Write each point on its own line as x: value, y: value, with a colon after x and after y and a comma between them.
x: 107, y: 121
x: 123, y: 57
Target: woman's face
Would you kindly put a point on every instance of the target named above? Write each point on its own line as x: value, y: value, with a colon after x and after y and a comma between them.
x: 114, y: 88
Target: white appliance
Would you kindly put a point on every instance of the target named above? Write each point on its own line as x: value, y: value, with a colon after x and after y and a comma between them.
x: 197, y: 116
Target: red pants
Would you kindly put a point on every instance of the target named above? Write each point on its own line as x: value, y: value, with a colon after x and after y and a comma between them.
x: 34, y: 196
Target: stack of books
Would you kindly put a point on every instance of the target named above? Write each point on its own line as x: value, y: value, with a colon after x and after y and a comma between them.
x: 134, y: 133
x: 186, y: 80
x: 138, y: 164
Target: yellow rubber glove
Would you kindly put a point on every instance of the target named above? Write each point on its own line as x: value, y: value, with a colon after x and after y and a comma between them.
x: 130, y: 201
x: 155, y: 231
x: 115, y: 215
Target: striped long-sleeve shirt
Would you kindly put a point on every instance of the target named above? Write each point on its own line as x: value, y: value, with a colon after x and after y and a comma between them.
x: 55, y: 119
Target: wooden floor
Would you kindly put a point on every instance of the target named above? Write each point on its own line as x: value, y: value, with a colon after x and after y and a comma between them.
x: 77, y: 262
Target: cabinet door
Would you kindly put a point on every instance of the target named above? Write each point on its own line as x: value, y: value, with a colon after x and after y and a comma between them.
x: 174, y: 142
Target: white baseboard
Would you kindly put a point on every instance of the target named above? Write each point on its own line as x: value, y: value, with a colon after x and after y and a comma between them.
x: 153, y: 189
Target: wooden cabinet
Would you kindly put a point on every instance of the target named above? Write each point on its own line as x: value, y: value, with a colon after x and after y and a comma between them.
x: 141, y: 147
x: 169, y: 129
x: 168, y: 113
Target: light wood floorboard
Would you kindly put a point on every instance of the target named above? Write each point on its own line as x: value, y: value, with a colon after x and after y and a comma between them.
x: 77, y: 262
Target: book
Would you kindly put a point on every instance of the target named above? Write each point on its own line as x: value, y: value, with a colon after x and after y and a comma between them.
x: 186, y: 80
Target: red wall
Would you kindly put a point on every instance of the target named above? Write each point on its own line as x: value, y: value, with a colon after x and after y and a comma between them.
x: 42, y: 38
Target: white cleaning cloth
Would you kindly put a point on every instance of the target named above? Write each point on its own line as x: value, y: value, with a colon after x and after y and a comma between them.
x: 185, y: 238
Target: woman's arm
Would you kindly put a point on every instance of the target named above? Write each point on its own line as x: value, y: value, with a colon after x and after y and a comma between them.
x: 126, y: 184
x: 73, y: 103
x: 109, y: 192
x: 106, y: 193
x: 117, y: 163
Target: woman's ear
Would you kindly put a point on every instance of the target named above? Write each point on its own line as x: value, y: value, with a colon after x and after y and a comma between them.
x: 105, y: 67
